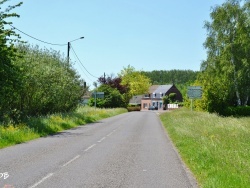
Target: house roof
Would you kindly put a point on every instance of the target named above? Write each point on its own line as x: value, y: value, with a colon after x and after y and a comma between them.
x: 160, y: 88
x: 136, y: 99
x: 163, y: 88
x: 153, y: 88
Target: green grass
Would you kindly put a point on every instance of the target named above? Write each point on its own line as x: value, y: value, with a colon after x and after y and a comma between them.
x: 216, y: 149
x: 37, y: 127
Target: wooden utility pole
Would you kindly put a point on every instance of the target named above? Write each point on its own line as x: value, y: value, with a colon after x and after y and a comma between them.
x: 68, y: 52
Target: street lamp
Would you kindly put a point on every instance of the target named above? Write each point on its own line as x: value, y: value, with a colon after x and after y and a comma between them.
x: 69, y: 46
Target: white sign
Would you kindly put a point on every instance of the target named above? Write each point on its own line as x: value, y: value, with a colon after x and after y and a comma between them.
x: 173, y: 106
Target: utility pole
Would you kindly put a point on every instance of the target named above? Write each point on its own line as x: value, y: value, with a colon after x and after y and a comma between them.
x: 69, y: 47
x: 104, y: 79
x: 68, y: 52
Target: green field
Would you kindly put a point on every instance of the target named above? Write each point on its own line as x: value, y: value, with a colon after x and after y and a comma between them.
x: 216, y: 149
x: 42, y: 126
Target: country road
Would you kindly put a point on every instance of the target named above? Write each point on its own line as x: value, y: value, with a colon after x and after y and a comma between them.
x: 130, y: 150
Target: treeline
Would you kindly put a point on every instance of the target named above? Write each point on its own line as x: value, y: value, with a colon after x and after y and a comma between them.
x: 161, y: 77
x: 181, y: 78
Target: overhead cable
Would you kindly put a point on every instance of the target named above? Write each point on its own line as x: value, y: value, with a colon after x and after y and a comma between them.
x: 81, y: 62
x: 83, y: 70
x: 36, y: 38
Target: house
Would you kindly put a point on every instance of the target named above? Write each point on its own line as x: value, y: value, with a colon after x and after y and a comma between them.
x: 155, y: 96
x: 136, y: 100
x: 85, y: 98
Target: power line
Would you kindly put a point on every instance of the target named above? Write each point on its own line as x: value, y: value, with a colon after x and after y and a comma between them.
x: 54, y: 45
x: 84, y: 71
x: 36, y: 38
x: 81, y: 62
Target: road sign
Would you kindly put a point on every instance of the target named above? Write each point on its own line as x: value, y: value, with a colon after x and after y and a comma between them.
x: 99, y: 95
x: 194, y: 92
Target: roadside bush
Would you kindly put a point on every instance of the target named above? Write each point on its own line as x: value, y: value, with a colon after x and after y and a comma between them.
x: 134, y: 108
x: 112, y: 98
x: 49, y: 84
x: 237, y: 111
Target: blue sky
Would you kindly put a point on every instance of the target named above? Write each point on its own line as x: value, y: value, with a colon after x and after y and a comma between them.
x: 146, y: 34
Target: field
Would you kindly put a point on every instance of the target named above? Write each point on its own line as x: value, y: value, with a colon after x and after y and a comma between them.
x: 41, y: 126
x: 216, y: 149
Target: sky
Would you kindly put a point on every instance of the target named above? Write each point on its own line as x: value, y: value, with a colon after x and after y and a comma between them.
x: 146, y: 34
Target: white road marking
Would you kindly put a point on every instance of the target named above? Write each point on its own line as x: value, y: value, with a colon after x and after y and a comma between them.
x: 102, y: 139
x: 42, y: 180
x: 70, y: 161
x: 111, y: 133
x: 90, y: 147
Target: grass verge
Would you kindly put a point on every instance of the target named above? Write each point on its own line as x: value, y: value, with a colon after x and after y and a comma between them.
x: 216, y: 149
x: 42, y: 126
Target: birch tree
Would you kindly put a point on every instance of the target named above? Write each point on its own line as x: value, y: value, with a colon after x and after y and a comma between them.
x: 227, y: 68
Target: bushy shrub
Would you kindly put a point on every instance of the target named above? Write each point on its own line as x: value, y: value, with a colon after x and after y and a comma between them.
x: 134, y: 108
x: 46, y: 84
x: 237, y: 111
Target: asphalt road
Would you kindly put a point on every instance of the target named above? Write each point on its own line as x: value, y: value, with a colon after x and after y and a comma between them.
x: 129, y: 150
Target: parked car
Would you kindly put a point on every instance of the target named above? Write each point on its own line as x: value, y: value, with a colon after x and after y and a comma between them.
x: 151, y: 108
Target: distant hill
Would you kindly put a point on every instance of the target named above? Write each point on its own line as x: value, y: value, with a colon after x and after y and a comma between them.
x: 161, y: 77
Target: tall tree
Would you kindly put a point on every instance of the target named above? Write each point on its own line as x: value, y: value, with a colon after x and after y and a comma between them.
x: 226, y: 72
x: 135, y: 81
x: 9, y: 74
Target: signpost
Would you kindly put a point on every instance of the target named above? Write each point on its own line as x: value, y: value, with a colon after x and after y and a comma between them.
x: 99, y: 95
x: 194, y: 92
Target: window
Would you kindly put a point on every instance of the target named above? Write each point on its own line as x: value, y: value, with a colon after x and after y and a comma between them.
x: 145, y: 105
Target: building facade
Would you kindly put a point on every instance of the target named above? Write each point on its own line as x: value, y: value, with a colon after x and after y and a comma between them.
x: 154, y: 98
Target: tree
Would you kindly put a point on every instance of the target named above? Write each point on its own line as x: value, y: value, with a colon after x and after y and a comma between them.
x: 10, y: 76
x: 172, y: 97
x: 225, y: 74
x: 166, y: 101
x: 49, y: 84
x: 112, y: 98
x: 114, y: 82
x: 135, y: 81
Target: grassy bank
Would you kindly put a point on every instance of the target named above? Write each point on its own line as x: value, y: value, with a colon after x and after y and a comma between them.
x: 42, y: 126
x: 216, y: 149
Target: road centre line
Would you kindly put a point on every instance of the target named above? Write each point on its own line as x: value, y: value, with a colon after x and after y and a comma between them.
x: 90, y: 147
x: 111, y: 133
x: 70, y: 161
x: 42, y: 180
x: 102, y: 139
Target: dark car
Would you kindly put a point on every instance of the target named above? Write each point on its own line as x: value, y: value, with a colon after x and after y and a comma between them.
x: 151, y: 108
